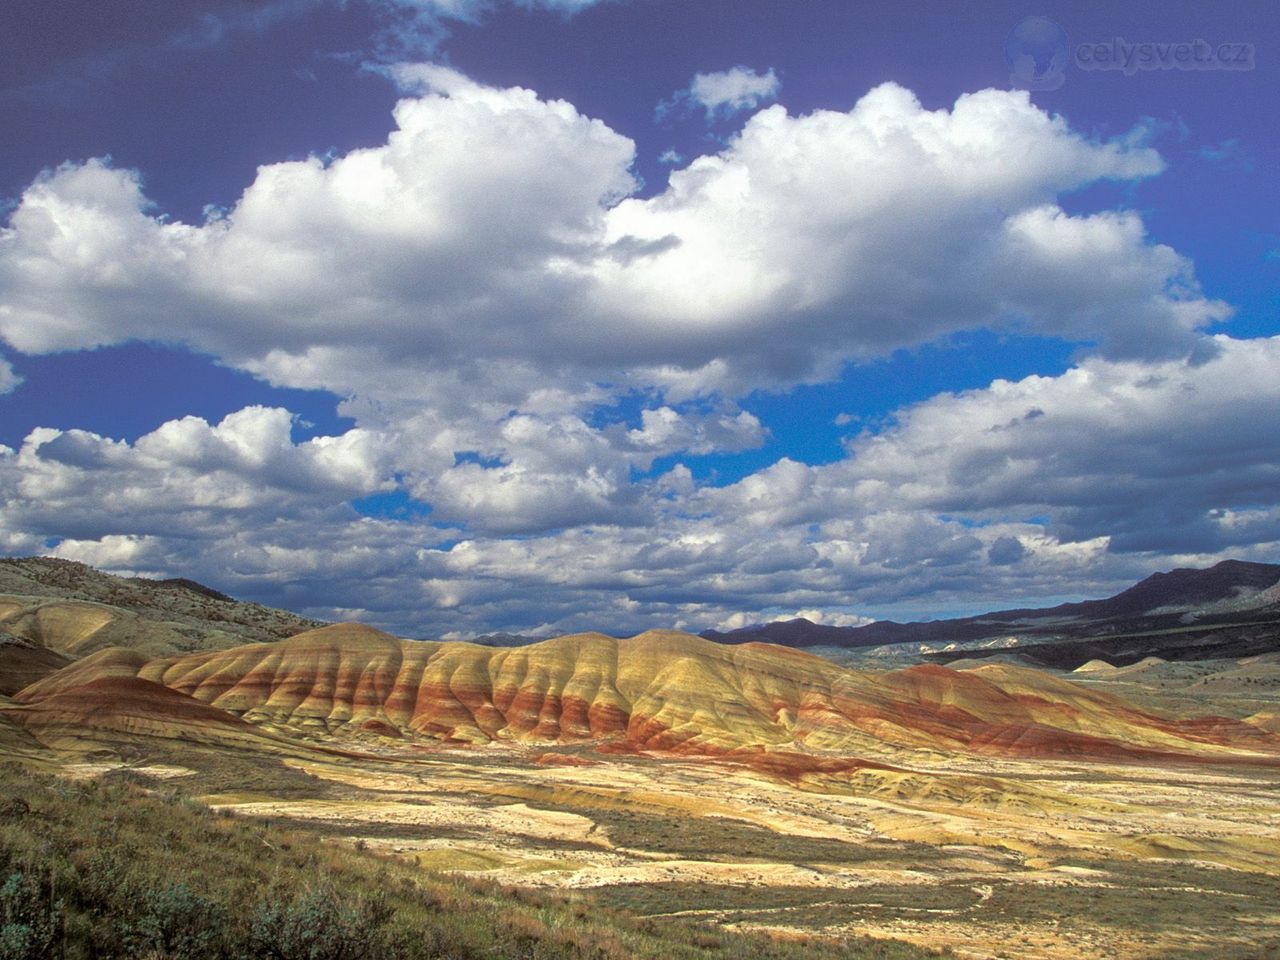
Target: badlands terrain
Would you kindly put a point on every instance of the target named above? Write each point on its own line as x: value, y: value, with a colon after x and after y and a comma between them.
x: 986, y: 807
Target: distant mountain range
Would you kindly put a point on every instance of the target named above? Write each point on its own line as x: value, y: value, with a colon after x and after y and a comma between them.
x: 1229, y: 610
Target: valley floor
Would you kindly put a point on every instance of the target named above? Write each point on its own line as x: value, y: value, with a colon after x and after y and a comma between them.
x: 989, y: 858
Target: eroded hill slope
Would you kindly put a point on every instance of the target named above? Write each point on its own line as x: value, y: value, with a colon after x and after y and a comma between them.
x: 660, y: 691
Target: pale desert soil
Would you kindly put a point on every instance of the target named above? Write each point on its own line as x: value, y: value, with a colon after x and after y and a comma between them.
x: 1010, y: 859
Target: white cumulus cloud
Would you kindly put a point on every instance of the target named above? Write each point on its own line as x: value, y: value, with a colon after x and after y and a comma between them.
x: 492, y: 230
x: 10, y: 380
x: 185, y: 479
x: 726, y: 92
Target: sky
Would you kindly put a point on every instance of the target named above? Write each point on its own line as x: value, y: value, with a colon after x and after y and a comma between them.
x: 464, y: 316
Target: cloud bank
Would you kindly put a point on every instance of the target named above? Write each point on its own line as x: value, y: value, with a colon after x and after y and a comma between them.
x: 490, y: 295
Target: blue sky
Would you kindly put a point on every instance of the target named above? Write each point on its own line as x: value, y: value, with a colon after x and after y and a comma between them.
x: 458, y: 316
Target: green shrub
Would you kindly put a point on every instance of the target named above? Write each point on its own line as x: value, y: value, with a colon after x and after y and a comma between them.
x: 174, y: 921
x: 30, y: 920
x: 319, y: 925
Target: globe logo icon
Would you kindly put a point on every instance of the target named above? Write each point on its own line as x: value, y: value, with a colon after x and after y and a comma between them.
x: 1036, y: 51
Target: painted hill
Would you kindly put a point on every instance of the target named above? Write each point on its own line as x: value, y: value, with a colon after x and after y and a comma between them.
x: 1229, y: 610
x: 661, y: 691
x: 22, y: 662
x: 112, y: 707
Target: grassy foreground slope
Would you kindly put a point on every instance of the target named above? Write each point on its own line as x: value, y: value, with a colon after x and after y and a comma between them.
x: 105, y: 868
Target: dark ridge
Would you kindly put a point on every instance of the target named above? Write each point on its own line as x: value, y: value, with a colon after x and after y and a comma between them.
x: 1184, y: 587
x: 182, y: 583
x: 1164, y: 603
x: 505, y: 640
x: 1220, y: 642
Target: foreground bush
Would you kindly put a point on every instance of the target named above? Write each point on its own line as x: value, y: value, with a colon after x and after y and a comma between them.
x: 321, y: 925
x: 30, y: 919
